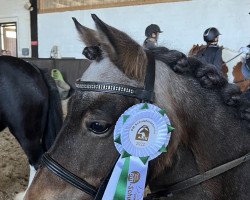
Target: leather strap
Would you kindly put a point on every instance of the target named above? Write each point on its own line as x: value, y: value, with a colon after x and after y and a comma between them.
x: 149, y: 82
x: 115, y: 88
x: 104, y: 183
x: 233, y: 58
x: 68, y: 176
x: 169, y: 191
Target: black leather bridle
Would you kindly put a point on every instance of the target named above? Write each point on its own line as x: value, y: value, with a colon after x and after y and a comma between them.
x: 169, y: 191
x: 145, y: 94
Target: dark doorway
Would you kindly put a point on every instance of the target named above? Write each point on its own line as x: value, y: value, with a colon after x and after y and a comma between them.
x: 8, y: 38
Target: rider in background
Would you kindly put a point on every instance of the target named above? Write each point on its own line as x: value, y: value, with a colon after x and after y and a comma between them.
x: 246, y: 62
x: 152, y: 34
x: 212, y: 53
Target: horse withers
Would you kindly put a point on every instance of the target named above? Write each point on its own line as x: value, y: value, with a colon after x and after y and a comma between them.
x: 210, y: 117
x: 30, y: 107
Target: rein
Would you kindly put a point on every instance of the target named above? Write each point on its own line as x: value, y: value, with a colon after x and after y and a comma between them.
x: 232, y: 58
x: 193, y: 181
x: 145, y: 94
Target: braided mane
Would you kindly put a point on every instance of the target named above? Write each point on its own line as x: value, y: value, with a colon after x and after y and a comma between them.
x: 208, y: 77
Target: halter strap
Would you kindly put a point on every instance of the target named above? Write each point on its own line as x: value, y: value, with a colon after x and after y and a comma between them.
x: 169, y: 191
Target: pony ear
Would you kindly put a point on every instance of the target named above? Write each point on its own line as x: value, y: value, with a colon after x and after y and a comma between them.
x: 87, y: 35
x: 123, y: 51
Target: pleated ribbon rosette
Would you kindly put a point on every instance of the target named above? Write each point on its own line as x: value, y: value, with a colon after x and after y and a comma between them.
x: 141, y: 134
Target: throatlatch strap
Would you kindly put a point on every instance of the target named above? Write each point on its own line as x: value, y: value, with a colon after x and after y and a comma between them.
x: 170, y: 190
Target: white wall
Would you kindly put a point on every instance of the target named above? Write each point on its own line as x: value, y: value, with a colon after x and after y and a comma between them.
x: 14, y: 11
x: 183, y: 24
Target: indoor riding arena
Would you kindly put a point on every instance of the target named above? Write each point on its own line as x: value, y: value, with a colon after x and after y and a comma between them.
x: 177, y: 68
x: 14, y: 167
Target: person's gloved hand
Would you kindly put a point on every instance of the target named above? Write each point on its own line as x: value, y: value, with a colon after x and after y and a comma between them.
x: 245, y: 50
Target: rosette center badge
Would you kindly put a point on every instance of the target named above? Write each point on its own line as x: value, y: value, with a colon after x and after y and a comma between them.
x: 142, y: 130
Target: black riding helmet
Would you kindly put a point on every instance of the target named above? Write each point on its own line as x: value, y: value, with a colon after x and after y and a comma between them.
x: 152, y: 28
x: 210, y: 34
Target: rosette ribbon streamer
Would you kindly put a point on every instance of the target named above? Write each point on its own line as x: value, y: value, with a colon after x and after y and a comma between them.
x: 141, y: 134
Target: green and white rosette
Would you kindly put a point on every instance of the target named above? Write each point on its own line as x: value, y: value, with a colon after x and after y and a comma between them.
x: 141, y: 134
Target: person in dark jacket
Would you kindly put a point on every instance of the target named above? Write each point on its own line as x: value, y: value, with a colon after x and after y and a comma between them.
x: 152, y: 34
x: 212, y: 54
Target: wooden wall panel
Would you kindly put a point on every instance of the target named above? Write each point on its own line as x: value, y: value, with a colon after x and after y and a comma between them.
x: 47, y: 6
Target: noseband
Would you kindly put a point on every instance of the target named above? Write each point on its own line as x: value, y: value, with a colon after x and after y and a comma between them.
x: 145, y: 94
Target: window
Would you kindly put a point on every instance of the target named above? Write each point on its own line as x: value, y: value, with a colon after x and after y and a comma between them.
x: 8, y: 40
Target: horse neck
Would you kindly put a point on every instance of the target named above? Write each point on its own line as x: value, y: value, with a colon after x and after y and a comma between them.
x: 206, y: 135
x: 220, y: 144
x: 205, y: 150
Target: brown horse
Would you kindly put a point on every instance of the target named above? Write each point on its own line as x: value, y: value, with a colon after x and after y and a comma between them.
x: 232, y: 67
x: 233, y: 60
x: 210, y: 117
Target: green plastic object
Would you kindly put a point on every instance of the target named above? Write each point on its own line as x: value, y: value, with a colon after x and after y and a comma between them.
x: 57, y: 75
x: 62, y: 86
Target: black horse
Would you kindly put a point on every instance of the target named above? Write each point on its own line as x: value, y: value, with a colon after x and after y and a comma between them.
x: 30, y: 106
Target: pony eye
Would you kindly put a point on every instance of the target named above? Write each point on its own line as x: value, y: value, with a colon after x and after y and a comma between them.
x: 99, y: 128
